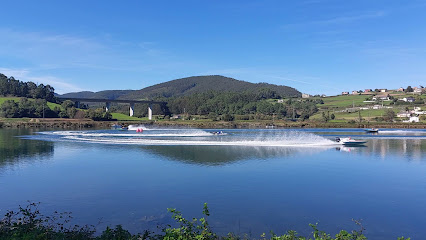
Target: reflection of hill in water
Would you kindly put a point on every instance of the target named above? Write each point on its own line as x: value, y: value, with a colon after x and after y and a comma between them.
x: 222, y: 155
x: 14, y: 149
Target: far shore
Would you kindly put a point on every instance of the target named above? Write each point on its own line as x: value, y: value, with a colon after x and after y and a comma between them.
x: 60, y: 123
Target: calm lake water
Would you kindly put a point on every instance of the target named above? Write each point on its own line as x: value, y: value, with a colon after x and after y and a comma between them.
x: 254, y: 181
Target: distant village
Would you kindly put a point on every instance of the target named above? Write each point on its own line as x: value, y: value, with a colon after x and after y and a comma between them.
x: 377, y: 98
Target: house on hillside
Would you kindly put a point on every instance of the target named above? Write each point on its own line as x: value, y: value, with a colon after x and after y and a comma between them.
x: 401, y: 89
x: 417, y: 90
x: 382, y: 97
x: 413, y: 119
x: 407, y: 99
x: 418, y: 111
x: 367, y: 90
x: 355, y: 93
x: 305, y: 95
x: 403, y: 114
x: 280, y: 100
x: 383, y: 90
x: 345, y: 93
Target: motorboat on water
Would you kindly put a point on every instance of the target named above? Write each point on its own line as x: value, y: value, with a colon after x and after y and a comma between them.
x: 372, y: 130
x: 119, y: 127
x: 350, y: 142
x: 219, y: 133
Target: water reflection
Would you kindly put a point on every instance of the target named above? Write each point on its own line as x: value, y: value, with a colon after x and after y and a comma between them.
x: 222, y: 155
x: 409, y: 149
x: 14, y: 150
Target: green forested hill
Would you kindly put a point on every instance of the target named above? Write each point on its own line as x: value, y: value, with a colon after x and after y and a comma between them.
x: 188, y: 86
x: 201, y: 84
x: 106, y: 94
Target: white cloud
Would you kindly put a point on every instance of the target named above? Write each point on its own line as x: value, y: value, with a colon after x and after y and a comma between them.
x: 338, y: 19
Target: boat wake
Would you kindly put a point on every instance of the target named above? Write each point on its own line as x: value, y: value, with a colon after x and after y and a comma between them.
x: 403, y: 132
x: 189, y: 137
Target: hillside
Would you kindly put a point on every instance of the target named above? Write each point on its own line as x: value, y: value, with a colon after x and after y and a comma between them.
x: 106, y: 94
x: 188, y: 86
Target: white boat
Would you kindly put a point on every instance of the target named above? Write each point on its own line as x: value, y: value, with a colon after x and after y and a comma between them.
x: 372, y: 130
x: 350, y: 142
x: 219, y: 133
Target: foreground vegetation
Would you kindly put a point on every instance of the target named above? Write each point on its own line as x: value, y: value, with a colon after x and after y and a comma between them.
x: 29, y: 223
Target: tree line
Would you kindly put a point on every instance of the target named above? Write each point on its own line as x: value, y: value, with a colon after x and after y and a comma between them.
x: 214, y: 104
x: 12, y: 87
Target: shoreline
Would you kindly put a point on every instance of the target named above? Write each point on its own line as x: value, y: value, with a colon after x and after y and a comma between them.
x: 88, y: 124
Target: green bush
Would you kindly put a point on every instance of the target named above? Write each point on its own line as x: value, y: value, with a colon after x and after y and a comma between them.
x: 29, y: 223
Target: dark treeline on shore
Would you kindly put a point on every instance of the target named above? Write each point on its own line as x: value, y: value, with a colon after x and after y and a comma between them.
x: 37, y: 108
x: 263, y: 102
x: 12, y: 87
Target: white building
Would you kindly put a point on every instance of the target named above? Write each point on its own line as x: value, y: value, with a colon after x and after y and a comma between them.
x: 407, y: 99
x: 418, y: 90
x: 413, y: 119
x: 305, y: 95
x: 403, y: 115
x: 384, y: 98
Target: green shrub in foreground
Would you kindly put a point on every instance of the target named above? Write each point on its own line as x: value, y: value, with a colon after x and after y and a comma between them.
x: 29, y: 223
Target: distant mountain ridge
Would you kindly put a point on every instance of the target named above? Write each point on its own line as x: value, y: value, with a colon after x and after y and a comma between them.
x: 187, y: 86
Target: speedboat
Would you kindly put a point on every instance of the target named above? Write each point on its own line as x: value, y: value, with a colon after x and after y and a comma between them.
x: 350, y: 142
x: 219, y: 133
x: 119, y: 127
x: 372, y: 130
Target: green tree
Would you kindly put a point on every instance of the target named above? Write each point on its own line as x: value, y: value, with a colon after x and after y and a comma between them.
x: 389, y: 115
x: 67, y: 104
x: 71, y: 112
x: 324, y: 117
x: 228, y: 118
x: 10, y: 109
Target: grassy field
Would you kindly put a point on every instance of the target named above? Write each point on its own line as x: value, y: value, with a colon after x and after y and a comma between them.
x: 367, y: 114
x: 370, y: 113
x: 344, y: 101
x: 123, y: 117
x: 15, y: 119
x: 53, y: 105
x: 4, y: 99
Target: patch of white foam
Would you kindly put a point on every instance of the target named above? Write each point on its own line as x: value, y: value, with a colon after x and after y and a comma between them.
x: 282, y: 139
x: 147, y: 133
x: 198, y: 143
x: 403, y: 131
x: 136, y: 127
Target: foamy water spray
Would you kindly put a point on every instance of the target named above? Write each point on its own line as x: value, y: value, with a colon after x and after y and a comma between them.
x: 196, y: 137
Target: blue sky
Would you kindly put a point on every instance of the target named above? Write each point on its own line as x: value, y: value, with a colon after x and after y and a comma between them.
x: 315, y: 46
